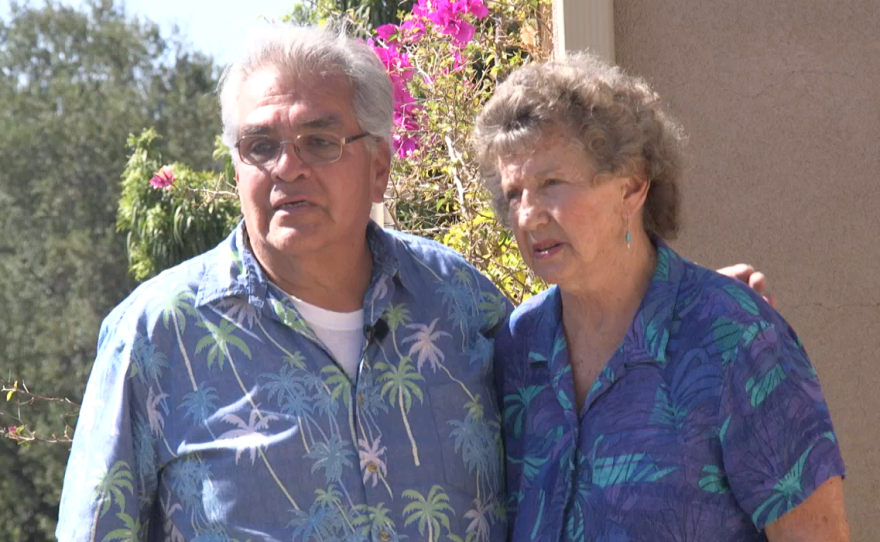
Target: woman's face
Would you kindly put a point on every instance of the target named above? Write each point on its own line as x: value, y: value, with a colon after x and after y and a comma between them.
x: 568, y: 227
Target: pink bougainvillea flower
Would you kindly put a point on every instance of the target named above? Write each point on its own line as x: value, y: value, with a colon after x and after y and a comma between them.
x: 474, y: 7
x: 461, y: 32
x: 406, y: 139
x: 163, y: 179
x: 404, y: 146
x: 414, y: 30
x: 386, y: 31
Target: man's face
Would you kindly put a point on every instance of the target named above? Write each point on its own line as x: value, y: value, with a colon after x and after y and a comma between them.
x: 296, y: 209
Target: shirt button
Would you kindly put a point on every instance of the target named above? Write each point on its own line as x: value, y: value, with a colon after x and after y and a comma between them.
x: 372, y: 468
x: 384, y: 536
x: 360, y: 398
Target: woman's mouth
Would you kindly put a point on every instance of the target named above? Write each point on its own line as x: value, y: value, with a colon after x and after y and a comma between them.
x: 546, y: 249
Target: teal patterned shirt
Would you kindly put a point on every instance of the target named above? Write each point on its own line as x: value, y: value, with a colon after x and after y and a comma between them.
x: 707, y: 424
x: 214, y: 414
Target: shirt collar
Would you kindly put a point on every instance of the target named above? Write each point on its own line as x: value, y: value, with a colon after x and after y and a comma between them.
x: 647, y: 339
x: 232, y: 269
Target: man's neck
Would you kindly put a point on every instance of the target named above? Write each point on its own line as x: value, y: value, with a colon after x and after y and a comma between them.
x: 335, y: 280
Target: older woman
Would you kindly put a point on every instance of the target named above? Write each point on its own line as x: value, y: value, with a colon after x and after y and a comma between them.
x: 645, y: 398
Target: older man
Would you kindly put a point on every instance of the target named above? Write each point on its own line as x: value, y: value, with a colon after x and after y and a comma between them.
x: 313, y: 377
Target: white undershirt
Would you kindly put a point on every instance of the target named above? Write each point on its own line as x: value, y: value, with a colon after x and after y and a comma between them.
x: 341, y: 332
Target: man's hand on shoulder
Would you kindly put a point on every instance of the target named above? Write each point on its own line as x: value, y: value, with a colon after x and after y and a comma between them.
x: 746, y: 274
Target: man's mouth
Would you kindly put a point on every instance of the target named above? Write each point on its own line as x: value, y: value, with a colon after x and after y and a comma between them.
x: 294, y: 205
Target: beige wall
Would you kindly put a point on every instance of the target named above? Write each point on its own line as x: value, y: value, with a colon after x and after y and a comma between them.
x: 781, y: 100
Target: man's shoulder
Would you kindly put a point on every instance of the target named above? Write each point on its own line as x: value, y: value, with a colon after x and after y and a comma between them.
x: 181, y: 282
x: 431, y: 258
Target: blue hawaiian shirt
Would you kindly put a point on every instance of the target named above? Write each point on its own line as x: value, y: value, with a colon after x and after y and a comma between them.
x: 213, y: 412
x: 707, y: 424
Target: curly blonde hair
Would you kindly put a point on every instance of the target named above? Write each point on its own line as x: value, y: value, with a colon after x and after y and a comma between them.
x: 617, y: 118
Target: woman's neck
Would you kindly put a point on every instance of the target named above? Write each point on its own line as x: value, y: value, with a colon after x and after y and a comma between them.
x: 597, y: 315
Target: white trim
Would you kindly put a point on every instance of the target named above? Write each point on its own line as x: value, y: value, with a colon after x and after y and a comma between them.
x: 580, y: 25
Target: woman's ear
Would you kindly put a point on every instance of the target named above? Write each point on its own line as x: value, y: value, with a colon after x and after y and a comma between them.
x: 635, y: 192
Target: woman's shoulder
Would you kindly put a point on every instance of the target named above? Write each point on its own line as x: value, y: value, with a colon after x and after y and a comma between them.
x: 533, y: 319
x: 543, y: 308
x: 718, y: 295
x: 725, y: 313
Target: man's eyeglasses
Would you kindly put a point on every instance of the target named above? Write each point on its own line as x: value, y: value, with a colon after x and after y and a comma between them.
x: 260, y: 150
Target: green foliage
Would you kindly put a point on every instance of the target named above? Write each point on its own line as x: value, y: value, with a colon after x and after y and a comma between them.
x: 167, y: 226
x: 374, y: 12
x: 73, y: 84
x: 436, y: 190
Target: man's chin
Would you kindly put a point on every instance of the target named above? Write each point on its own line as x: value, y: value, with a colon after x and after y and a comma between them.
x: 292, y: 241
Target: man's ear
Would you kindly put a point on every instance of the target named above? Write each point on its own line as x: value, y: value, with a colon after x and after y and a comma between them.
x: 380, y: 171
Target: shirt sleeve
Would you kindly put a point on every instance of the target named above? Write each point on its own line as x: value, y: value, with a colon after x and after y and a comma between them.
x: 110, y: 479
x: 777, y: 440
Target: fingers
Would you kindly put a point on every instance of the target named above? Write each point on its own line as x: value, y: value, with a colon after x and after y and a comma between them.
x: 745, y: 273
x: 740, y: 272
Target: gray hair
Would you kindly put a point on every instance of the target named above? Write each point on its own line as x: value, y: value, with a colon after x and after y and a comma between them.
x: 312, y: 50
x: 617, y: 119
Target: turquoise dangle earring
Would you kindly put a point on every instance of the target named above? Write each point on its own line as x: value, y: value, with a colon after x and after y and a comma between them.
x: 629, y: 236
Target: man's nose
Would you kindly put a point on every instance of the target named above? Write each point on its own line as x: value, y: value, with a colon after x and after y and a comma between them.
x: 289, y: 166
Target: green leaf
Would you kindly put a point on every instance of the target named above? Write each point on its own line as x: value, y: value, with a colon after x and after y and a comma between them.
x: 742, y: 298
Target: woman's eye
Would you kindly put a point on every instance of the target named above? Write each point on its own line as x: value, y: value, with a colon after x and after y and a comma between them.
x: 512, y: 195
x: 552, y: 182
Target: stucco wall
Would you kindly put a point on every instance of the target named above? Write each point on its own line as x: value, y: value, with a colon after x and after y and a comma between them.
x: 781, y: 100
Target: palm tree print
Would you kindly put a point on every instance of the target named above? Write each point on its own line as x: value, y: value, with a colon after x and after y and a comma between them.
x: 430, y: 512
x: 109, y: 487
x: 219, y: 339
x: 248, y: 436
x: 316, y: 524
x: 129, y: 533
x: 199, y: 405
x: 372, y: 463
x: 175, y: 306
x: 340, y: 386
x: 147, y: 362
x: 423, y: 344
x: 253, y: 440
x: 332, y: 456
x: 400, y: 383
x: 332, y: 499
x: 293, y: 399
x: 239, y: 310
x: 373, y: 519
x: 479, y: 516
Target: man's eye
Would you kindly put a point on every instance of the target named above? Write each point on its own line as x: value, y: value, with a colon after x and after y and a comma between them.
x: 262, y: 148
x: 319, y: 141
x: 513, y: 195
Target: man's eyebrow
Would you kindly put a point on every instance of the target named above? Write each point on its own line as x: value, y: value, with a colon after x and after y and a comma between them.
x: 254, y: 129
x: 329, y: 121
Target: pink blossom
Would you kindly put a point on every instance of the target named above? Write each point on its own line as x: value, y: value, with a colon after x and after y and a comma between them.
x: 404, y: 146
x: 414, y: 30
x: 474, y: 7
x: 406, y: 140
x: 163, y: 179
x: 450, y: 23
x: 12, y: 429
x: 386, y: 31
